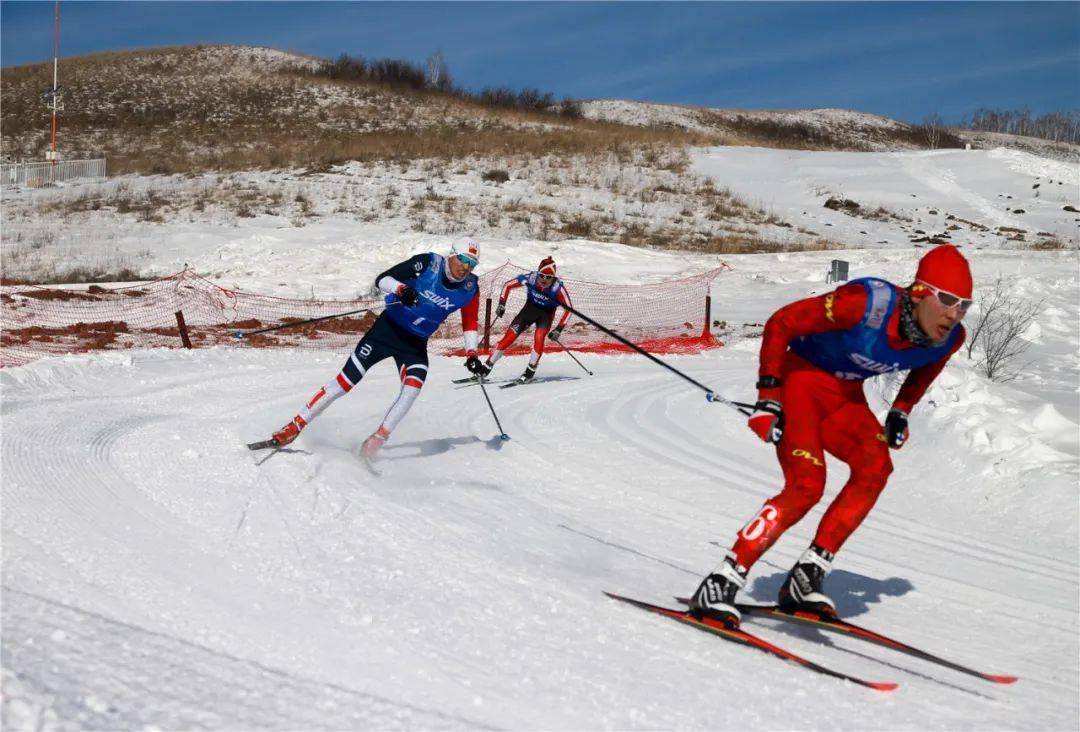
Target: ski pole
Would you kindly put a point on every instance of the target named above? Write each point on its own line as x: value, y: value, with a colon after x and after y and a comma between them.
x: 710, y: 395
x: 502, y: 435
x: 241, y: 334
x: 579, y: 363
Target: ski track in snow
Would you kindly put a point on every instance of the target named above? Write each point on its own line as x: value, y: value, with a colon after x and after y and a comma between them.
x: 170, y: 582
x: 135, y: 668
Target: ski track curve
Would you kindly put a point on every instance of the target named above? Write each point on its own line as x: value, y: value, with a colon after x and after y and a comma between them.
x: 605, y: 484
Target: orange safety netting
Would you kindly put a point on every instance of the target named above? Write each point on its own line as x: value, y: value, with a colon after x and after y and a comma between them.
x: 36, y: 322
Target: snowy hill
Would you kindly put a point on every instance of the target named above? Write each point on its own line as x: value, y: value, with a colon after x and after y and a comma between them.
x: 238, y: 108
x: 302, y: 233
x: 812, y: 129
x: 828, y: 129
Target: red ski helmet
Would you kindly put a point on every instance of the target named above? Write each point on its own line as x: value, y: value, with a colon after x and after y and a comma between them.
x: 547, y: 267
x: 945, y: 268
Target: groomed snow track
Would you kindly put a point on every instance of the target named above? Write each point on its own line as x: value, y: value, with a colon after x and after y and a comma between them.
x: 157, y: 573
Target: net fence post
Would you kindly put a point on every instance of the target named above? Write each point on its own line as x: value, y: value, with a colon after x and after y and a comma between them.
x: 487, y: 326
x: 182, y: 326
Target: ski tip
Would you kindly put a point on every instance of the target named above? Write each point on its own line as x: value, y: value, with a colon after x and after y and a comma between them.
x: 882, y: 685
x: 1001, y: 679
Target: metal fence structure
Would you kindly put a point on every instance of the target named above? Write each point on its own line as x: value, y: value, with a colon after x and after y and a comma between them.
x: 37, y: 174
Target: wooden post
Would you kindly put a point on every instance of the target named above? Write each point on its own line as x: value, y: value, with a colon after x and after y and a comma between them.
x: 183, y: 329
x: 707, y: 330
x: 487, y: 326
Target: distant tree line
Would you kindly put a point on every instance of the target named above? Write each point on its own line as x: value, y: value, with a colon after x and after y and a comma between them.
x: 1056, y: 126
x: 434, y: 76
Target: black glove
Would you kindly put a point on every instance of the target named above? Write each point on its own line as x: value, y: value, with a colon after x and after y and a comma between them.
x: 476, y: 366
x: 896, y: 429
x: 501, y: 310
x: 407, y: 295
x: 767, y: 421
x: 555, y: 334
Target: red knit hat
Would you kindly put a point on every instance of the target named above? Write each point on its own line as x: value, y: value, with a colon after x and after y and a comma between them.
x: 945, y: 268
x: 547, y: 266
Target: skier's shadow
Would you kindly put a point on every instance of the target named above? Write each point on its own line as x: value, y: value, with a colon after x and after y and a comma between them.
x: 853, y: 593
x: 427, y: 448
x: 549, y: 379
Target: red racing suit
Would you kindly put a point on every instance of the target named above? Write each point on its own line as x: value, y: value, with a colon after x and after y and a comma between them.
x: 827, y: 411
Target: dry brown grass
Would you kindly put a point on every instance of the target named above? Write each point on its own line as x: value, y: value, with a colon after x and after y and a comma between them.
x: 246, y: 115
x: 441, y: 143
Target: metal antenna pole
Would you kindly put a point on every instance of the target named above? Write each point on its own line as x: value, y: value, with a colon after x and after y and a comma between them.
x: 56, y: 73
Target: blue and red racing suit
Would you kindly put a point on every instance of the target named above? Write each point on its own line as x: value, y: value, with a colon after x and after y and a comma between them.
x: 401, y: 332
x: 822, y: 349
x: 539, y: 309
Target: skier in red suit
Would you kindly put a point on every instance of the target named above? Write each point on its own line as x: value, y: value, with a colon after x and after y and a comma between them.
x: 815, y: 354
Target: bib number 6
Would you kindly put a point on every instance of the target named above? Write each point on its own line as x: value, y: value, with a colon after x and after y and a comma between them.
x: 759, y: 523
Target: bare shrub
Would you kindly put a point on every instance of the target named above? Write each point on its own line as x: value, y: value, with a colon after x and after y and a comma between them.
x: 579, y: 227
x: 997, y: 334
x: 932, y: 127
x: 495, y: 176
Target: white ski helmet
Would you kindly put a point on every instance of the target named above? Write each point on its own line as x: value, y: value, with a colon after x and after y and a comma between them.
x: 466, y: 249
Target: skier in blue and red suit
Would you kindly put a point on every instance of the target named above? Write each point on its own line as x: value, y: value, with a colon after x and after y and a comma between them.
x: 421, y: 293
x: 815, y: 355
x: 545, y: 293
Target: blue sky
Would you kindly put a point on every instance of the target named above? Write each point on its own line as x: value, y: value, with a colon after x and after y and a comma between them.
x: 904, y: 60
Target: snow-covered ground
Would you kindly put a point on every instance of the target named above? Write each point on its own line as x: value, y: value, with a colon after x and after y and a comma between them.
x: 327, y: 234
x: 158, y: 574
x: 985, y: 195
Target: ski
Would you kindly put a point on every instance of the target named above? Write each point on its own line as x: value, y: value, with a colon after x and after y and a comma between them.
x: 747, y: 639
x: 844, y: 627
x: 515, y: 382
x: 262, y: 444
x: 462, y: 383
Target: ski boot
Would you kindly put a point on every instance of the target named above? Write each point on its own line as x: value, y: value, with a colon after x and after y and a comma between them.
x: 288, y: 433
x: 715, y: 596
x: 373, y: 443
x: 530, y: 373
x: 802, y: 590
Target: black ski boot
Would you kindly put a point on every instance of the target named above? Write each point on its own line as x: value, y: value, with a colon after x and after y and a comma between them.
x: 715, y: 596
x: 525, y: 378
x: 802, y: 590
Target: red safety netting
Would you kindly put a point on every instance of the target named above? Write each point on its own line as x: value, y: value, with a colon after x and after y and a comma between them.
x: 35, y: 322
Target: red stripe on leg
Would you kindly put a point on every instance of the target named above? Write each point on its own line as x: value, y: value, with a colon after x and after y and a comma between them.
x: 343, y: 383
x: 318, y: 395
